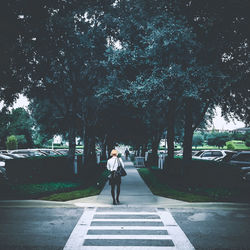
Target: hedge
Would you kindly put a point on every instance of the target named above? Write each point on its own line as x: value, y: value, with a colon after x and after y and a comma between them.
x: 36, y: 169
x: 208, y: 172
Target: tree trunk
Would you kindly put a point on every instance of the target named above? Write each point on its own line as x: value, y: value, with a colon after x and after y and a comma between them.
x: 89, y: 149
x: 29, y: 140
x: 103, y: 150
x: 188, y: 137
x: 86, y: 146
x: 144, y: 149
x: 72, y: 146
x: 155, y: 146
x: 170, y: 131
x: 110, y: 146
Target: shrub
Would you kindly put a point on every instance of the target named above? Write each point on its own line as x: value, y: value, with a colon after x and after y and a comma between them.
x: 11, y: 143
x: 37, y: 169
x: 230, y: 146
x: 206, y: 173
x: 21, y: 140
x: 238, y: 145
x: 198, y: 140
x: 247, y: 140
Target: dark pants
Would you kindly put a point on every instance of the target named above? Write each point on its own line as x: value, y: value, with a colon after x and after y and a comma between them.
x: 117, y: 191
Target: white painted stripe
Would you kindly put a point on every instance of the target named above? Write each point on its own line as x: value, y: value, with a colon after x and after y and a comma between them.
x: 126, y: 228
x: 130, y: 220
x: 141, y: 237
x: 127, y: 247
x: 168, y: 218
x: 77, y: 236
x: 178, y: 236
x: 125, y: 213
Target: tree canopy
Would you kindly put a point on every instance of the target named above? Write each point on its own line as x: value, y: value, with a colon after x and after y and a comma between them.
x: 126, y: 71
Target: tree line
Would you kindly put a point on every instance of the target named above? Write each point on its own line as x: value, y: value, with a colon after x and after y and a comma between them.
x: 126, y: 71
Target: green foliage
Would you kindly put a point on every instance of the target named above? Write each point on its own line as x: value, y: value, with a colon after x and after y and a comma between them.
x: 173, y: 56
x: 247, y: 139
x: 198, y: 140
x: 200, y: 184
x: 230, y: 146
x: 16, y: 122
x: 22, y: 142
x: 238, y: 145
x: 11, y: 142
x: 238, y: 136
x: 38, y: 169
x: 218, y: 139
x: 162, y: 189
x: 77, y: 194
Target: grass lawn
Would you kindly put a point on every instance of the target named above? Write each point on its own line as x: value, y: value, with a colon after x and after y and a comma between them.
x: 77, y: 194
x: 60, y: 190
x: 163, y: 189
x: 177, y: 188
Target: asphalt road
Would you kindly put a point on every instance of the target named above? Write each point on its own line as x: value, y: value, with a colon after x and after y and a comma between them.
x: 49, y: 228
x: 37, y: 228
x: 215, y: 228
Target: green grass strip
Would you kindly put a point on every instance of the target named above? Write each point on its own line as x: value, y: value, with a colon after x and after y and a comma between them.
x: 77, y: 194
x: 162, y: 189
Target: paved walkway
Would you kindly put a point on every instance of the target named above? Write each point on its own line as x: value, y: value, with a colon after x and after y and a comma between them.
x: 134, y: 192
x: 137, y: 223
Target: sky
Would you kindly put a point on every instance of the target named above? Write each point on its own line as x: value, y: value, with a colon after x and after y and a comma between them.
x: 218, y: 121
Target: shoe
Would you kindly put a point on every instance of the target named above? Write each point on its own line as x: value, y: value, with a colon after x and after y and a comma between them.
x: 114, y: 203
x: 117, y: 200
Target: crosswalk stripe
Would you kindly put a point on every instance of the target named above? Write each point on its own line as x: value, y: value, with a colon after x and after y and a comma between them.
x: 76, y: 238
x: 103, y: 229
x: 144, y: 231
x: 127, y: 228
x: 127, y: 223
x: 118, y: 219
x: 126, y: 216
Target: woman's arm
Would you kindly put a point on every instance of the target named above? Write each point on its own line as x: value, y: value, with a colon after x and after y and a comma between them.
x: 108, y: 165
x: 121, y: 161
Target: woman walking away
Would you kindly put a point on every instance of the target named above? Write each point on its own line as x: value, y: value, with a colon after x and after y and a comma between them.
x: 115, y: 178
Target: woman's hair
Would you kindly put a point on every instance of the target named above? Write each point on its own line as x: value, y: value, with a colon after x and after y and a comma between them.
x: 114, y: 152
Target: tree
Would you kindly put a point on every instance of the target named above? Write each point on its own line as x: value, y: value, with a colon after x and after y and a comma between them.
x: 198, y: 140
x: 218, y: 139
x: 11, y: 143
x: 4, y: 122
x: 247, y: 139
x: 20, y: 123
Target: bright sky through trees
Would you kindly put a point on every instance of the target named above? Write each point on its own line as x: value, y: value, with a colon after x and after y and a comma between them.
x: 218, y: 122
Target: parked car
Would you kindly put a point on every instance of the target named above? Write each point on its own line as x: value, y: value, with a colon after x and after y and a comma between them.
x: 49, y: 152
x: 62, y: 151
x: 28, y: 152
x: 5, y: 157
x: 245, y: 173
x: 178, y: 153
x: 209, y: 154
x: 80, y: 151
x: 15, y: 156
x: 246, y: 177
x: 241, y: 159
x: 227, y: 157
x: 3, y: 151
x: 3, y: 175
x: 197, y: 153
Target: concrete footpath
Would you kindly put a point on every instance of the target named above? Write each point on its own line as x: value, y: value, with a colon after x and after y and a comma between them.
x: 134, y: 192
